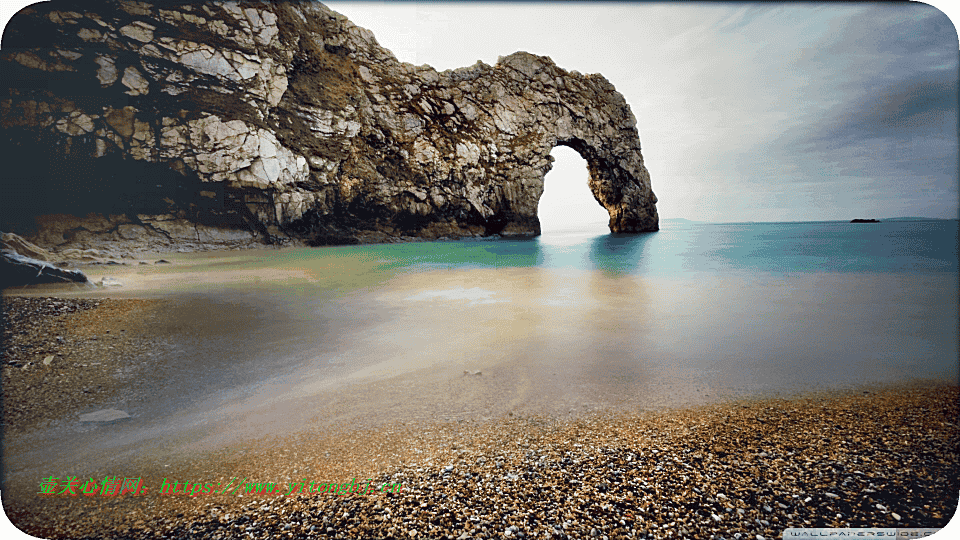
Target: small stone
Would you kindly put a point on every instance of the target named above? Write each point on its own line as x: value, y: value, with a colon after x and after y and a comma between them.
x: 895, y: 515
x: 48, y: 360
x: 110, y: 282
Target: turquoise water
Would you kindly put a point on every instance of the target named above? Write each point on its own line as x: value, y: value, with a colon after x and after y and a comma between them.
x: 923, y: 246
x: 718, y: 309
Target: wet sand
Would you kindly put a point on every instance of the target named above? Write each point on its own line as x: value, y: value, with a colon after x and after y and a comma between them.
x: 294, y: 373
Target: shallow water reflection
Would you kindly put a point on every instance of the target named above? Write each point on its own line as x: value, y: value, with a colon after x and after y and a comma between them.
x: 549, y: 340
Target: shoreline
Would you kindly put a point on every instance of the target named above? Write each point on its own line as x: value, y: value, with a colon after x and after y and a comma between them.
x: 760, y: 466
x: 671, y: 470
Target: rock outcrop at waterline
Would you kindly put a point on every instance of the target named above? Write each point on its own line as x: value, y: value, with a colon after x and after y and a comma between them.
x: 223, y: 124
x: 17, y: 270
x: 22, y: 263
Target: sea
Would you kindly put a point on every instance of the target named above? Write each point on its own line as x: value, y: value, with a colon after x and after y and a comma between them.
x: 572, y: 322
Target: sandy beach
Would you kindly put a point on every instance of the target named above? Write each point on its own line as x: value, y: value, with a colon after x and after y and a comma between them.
x: 870, y: 457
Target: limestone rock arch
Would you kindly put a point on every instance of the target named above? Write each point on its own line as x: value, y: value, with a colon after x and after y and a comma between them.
x: 584, y: 113
x: 524, y: 108
x: 224, y: 124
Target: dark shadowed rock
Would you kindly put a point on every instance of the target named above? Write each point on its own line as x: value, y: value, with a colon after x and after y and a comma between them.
x: 16, y: 270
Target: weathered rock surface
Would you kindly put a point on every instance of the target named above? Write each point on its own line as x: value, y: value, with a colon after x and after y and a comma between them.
x: 225, y: 124
x: 15, y: 243
x: 24, y: 263
x: 107, y: 281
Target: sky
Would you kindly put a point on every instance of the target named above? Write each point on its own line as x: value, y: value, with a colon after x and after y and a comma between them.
x: 746, y: 112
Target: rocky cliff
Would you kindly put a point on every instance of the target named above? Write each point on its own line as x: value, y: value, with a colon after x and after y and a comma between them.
x: 223, y: 124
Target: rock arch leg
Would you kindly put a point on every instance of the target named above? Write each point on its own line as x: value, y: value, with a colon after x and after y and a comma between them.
x: 624, y: 191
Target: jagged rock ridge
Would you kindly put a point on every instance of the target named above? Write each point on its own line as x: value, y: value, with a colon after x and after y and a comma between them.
x: 224, y: 124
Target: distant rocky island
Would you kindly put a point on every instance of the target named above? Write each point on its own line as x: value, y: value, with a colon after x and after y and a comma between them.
x: 133, y: 126
x: 865, y: 221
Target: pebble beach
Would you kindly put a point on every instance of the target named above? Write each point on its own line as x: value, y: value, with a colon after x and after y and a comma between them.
x: 747, y: 468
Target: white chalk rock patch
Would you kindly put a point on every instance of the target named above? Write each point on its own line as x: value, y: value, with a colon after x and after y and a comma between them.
x: 135, y: 82
x: 139, y: 31
x: 75, y: 124
x: 207, y: 60
x: 107, y: 72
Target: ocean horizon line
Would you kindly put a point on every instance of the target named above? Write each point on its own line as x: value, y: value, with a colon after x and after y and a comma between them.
x: 895, y: 219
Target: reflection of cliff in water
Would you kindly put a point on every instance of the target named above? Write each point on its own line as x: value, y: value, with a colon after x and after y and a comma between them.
x: 612, y: 253
x: 621, y: 253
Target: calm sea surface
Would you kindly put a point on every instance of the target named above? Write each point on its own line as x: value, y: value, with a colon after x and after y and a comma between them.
x: 270, y: 341
x: 917, y: 246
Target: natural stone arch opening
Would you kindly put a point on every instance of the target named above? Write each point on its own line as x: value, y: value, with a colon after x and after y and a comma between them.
x: 567, y: 203
x: 616, y: 177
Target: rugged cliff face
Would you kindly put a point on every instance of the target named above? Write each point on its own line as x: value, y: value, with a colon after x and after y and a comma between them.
x: 223, y: 124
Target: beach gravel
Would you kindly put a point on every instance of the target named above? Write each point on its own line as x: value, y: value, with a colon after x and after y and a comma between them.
x: 884, y: 457
x: 65, y: 356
